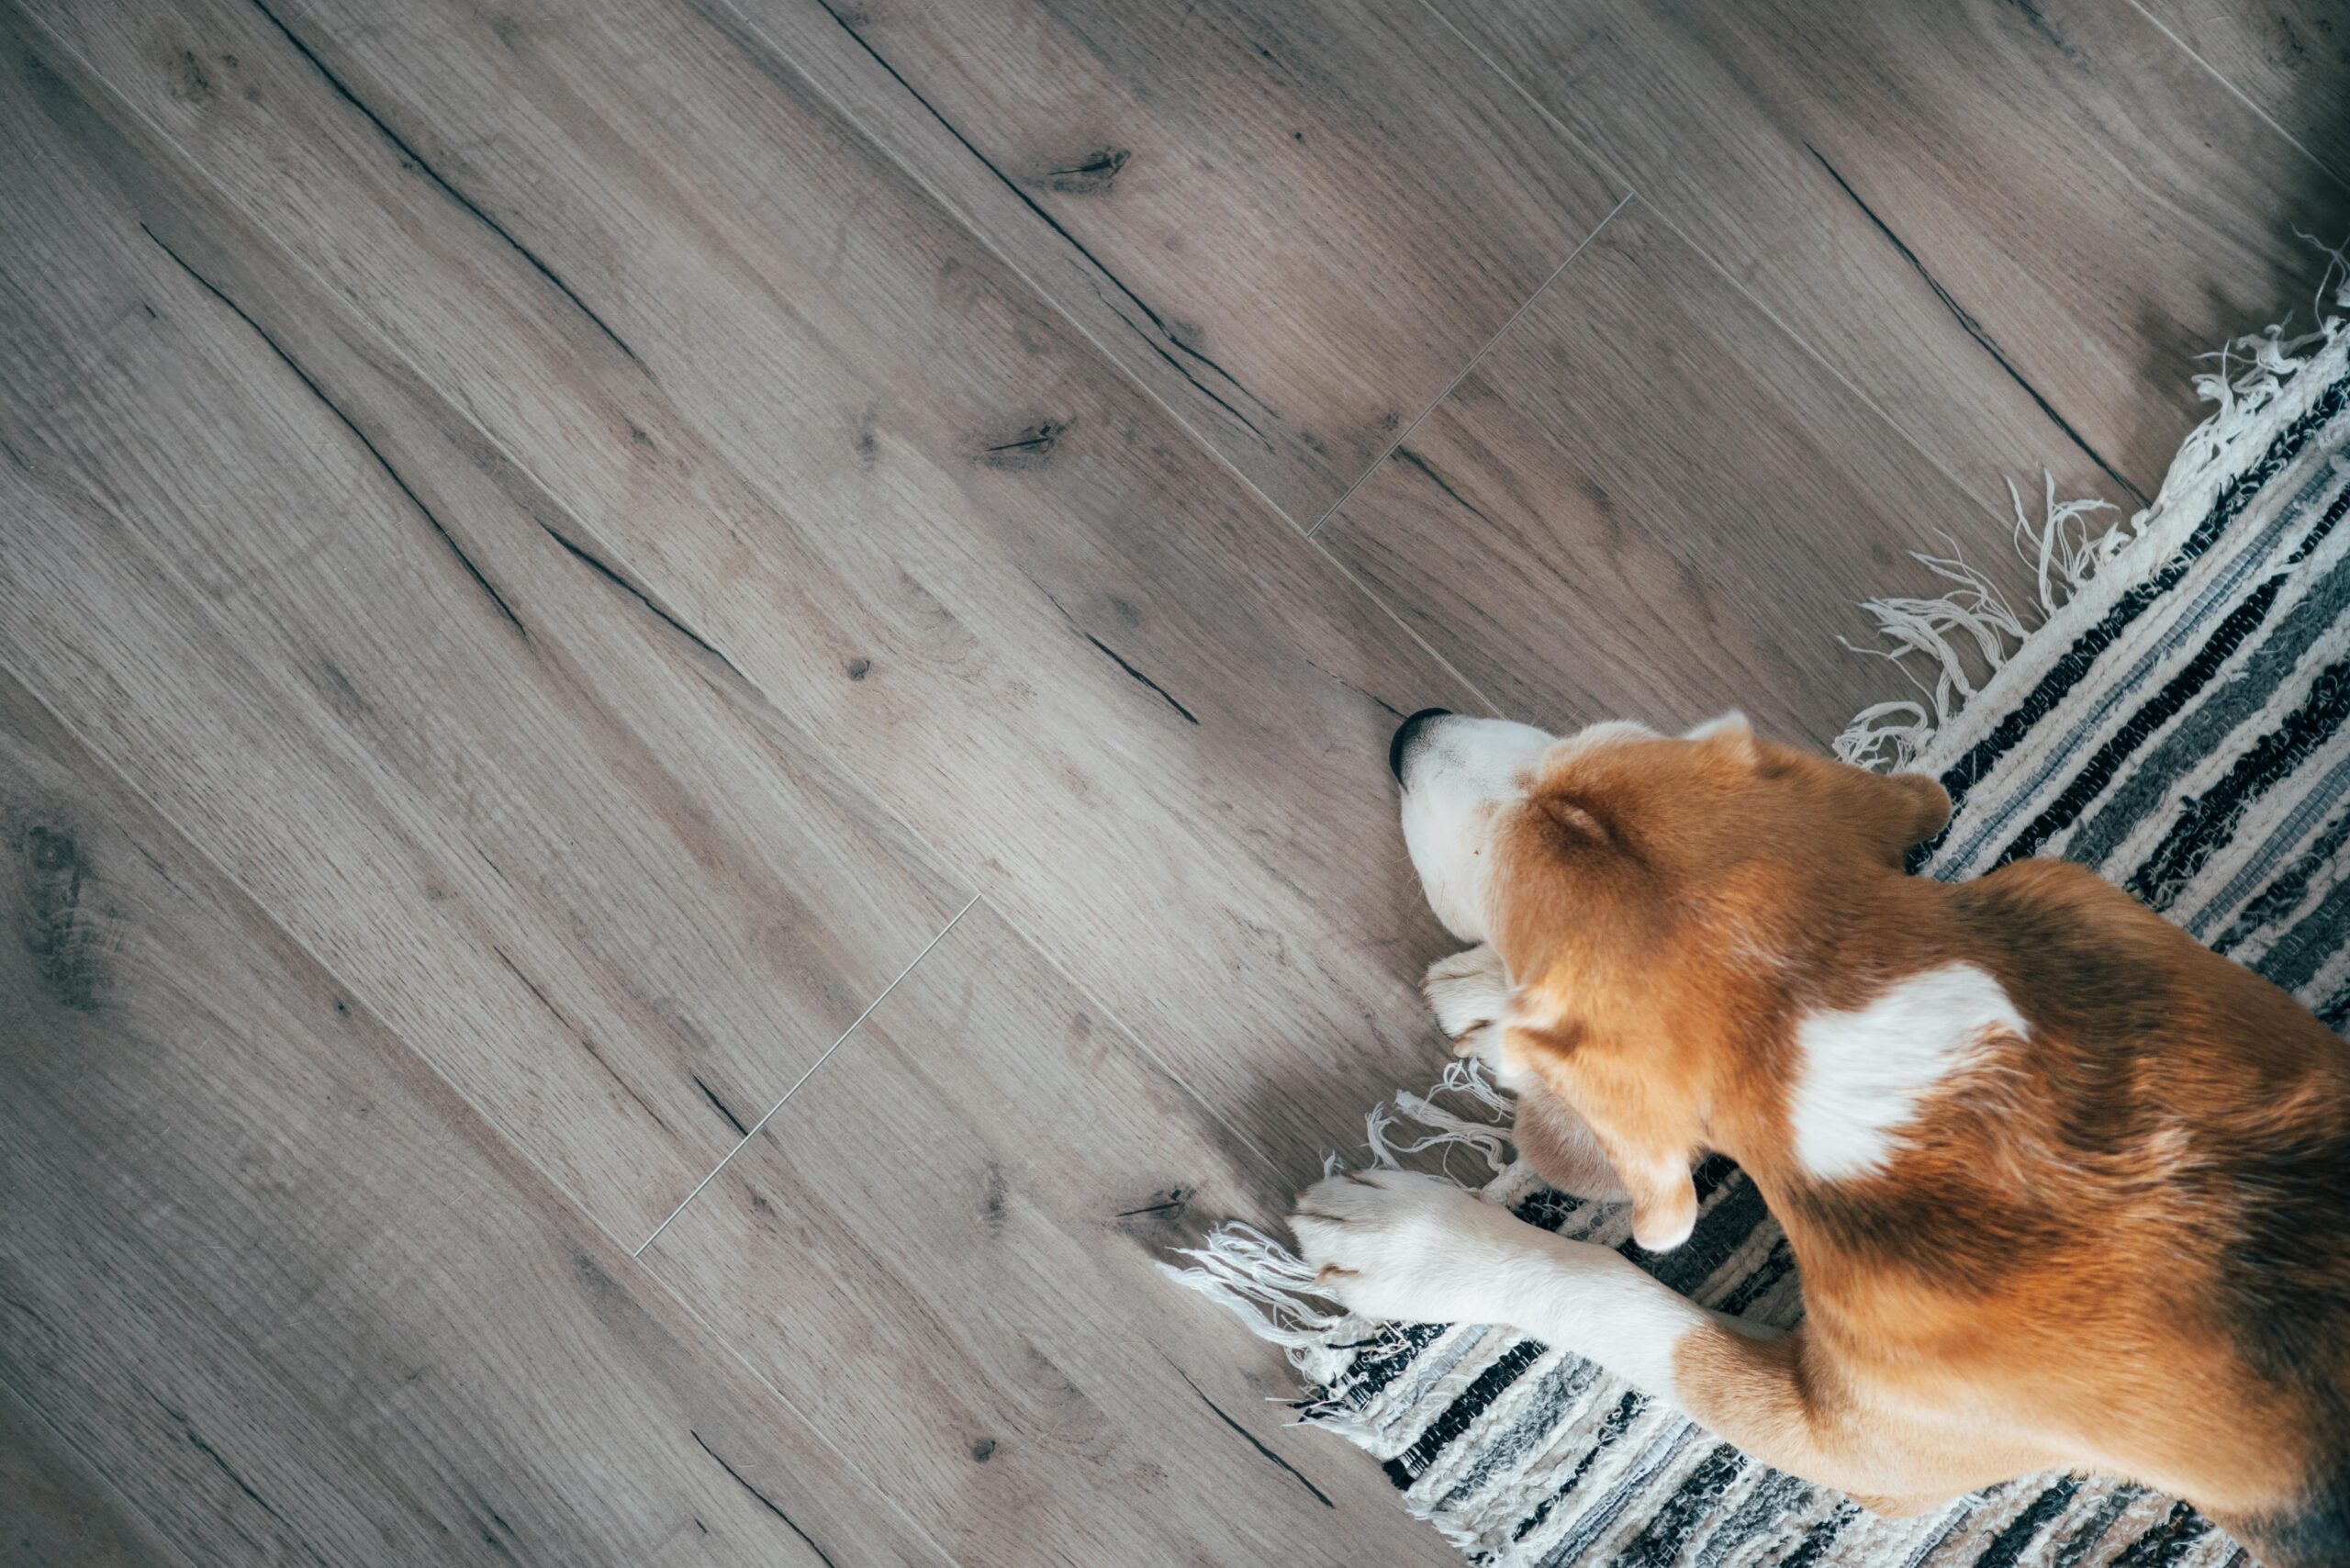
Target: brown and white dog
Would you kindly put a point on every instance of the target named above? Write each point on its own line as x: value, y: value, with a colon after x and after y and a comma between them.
x: 2066, y: 1189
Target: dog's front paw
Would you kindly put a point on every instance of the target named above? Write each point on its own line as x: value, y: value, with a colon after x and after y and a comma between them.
x: 1403, y: 1247
x: 1469, y: 994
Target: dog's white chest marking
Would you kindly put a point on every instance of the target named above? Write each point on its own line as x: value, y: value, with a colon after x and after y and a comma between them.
x: 1864, y: 1072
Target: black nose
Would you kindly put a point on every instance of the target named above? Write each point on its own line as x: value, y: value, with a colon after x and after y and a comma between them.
x: 1403, y: 733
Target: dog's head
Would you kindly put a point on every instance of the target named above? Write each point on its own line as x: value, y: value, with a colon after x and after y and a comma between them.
x: 1650, y: 895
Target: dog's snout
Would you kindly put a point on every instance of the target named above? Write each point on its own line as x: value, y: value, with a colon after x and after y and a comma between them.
x: 1403, y: 733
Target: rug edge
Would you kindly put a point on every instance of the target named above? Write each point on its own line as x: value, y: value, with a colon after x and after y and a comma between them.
x: 2078, y: 576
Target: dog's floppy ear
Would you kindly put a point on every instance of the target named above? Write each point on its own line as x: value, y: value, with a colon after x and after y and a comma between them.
x: 1928, y: 799
x: 1919, y: 806
x: 1568, y: 825
x: 1651, y: 1154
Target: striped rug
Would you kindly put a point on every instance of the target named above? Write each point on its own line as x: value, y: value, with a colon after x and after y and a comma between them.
x: 2176, y: 722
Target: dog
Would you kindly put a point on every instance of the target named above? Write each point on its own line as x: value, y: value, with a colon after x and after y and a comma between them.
x: 2065, y: 1189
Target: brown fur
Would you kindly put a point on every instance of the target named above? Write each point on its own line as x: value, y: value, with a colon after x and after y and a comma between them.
x: 2121, y: 1245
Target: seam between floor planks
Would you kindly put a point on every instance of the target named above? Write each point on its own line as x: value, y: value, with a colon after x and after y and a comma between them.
x: 1119, y: 366
x: 1475, y: 361
x: 1666, y: 218
x: 806, y: 1075
x: 2340, y: 177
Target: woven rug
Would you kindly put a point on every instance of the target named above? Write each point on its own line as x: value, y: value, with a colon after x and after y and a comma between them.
x: 2175, y: 721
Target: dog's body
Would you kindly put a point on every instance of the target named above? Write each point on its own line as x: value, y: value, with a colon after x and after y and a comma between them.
x: 2066, y: 1189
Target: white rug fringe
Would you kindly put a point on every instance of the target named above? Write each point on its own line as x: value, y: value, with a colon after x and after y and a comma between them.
x: 1267, y: 1285
x: 1965, y: 636
x: 1274, y: 1292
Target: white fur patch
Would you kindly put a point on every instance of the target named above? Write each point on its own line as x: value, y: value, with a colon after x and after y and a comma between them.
x: 1459, y: 771
x: 1865, y: 1072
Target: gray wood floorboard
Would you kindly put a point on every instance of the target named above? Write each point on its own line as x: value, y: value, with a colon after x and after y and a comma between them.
x: 2011, y: 227
x: 267, y: 1270
x: 387, y: 680
x: 57, y: 1510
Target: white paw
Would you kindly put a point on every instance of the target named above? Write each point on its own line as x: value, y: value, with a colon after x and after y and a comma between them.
x: 1470, y: 993
x: 1403, y: 1247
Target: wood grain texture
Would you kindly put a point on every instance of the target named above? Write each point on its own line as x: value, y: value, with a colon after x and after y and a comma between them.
x: 385, y: 678
x: 551, y: 546
x: 256, y: 1259
x: 1649, y: 502
x: 1293, y: 221
x: 2011, y: 226
x: 944, y: 1248
x: 2291, y: 58
x: 900, y: 494
x: 57, y: 1510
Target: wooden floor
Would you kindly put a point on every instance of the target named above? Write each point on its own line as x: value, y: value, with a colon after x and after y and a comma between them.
x: 693, y: 692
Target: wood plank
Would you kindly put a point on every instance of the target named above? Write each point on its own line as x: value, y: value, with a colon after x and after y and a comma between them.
x: 942, y: 1247
x: 1062, y: 642
x: 1649, y: 502
x: 382, y: 675
x: 265, y: 1269
x: 2291, y: 58
x: 1293, y: 221
x: 57, y: 1510
x: 2011, y: 227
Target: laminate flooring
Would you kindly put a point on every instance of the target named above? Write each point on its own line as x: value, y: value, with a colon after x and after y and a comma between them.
x: 693, y: 693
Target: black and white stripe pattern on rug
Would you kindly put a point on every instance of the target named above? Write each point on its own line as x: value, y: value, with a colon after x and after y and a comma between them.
x: 2175, y: 722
